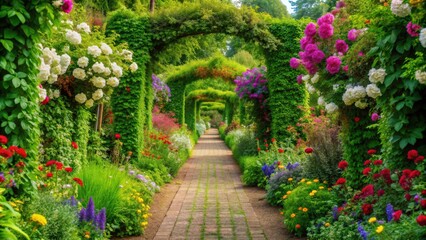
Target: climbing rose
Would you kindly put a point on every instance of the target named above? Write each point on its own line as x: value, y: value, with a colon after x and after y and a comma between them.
x: 68, y: 169
x: 412, y: 154
x: 367, y: 191
x: 309, y: 150
x: 117, y: 136
x: 317, y: 56
x: 45, y: 101
x: 340, y: 181
x: 423, y: 203
x: 74, y: 145
x: 367, y: 162
x: 407, y: 197
x: 326, y: 19
x: 415, y: 173
x: 366, y: 171
x: 380, y: 192
x: 375, y: 117
x: 78, y: 181
x: 341, y: 46
x: 67, y: 6
x: 49, y: 175
x: 419, y: 159
x: 59, y: 165
x: 280, y: 150
x: 378, y: 162
x: 412, y: 29
x: 294, y: 63
x: 421, y: 220
x: 357, y: 119
x: 333, y: 64
x: 397, y: 215
x: 50, y: 163
x: 310, y: 29
x: 326, y: 31
x: 352, y: 35
x: 5, y: 153
x: 3, y: 139
x: 371, y: 152
x: 343, y: 164
x: 21, y: 152
x: 367, y: 208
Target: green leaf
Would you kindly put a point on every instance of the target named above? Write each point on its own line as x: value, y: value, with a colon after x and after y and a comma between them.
x: 9, y: 33
x: 398, y: 126
x: 400, y: 105
x: 21, y: 75
x: 7, y: 77
x: 12, y: 125
x: 7, y: 44
x: 403, y: 143
x: 20, y: 17
x: 24, y: 104
x: 16, y: 82
x: 27, y: 30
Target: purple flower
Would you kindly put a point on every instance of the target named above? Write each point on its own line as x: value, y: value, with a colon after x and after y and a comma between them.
x: 82, y: 215
x: 326, y: 19
x: 90, y: 210
x: 73, y: 201
x: 294, y: 63
x: 310, y: 29
x: 310, y: 48
x: 312, y: 68
x: 362, y: 232
x: 340, y: 4
x: 361, y: 54
x: 67, y: 6
x: 333, y: 64
x: 375, y: 116
x: 2, y: 178
x: 131, y: 172
x: 317, y: 56
x: 101, y: 219
x: 389, y: 212
x: 291, y: 167
x: 341, y: 46
x: 299, y: 79
x: 412, y: 29
x: 352, y: 35
x: 305, y: 41
x: 325, y: 31
x: 268, y: 169
x: 335, y: 213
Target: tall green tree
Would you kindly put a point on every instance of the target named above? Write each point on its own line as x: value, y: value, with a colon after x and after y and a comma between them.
x: 311, y: 8
x: 275, y: 8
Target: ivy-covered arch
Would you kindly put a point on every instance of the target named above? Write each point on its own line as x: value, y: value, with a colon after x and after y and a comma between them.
x: 147, y: 35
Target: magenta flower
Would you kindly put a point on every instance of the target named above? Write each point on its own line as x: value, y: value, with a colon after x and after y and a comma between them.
x: 341, y: 46
x: 317, y: 56
x: 375, y: 116
x: 310, y: 48
x: 412, y: 29
x: 310, y: 29
x: 352, y: 35
x: 311, y: 67
x: 325, y: 31
x: 333, y: 64
x: 340, y: 4
x: 346, y: 68
x: 326, y: 19
x: 305, y: 41
x: 294, y: 63
x: 67, y: 6
x: 299, y: 79
x: 361, y: 54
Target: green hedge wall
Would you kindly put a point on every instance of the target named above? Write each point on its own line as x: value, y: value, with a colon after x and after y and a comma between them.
x: 285, y: 95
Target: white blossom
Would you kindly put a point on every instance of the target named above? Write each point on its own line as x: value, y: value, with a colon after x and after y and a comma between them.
x: 44, y: 72
x: 98, y: 82
x: 127, y: 55
x: 56, y: 93
x: 373, y: 91
x: 306, y: 77
x: 98, y: 67
x: 83, y: 62
x: 421, y: 76
x: 377, y: 75
x: 133, y: 67
x: 106, y: 49
x: 65, y: 62
x: 56, y: 69
x: 98, y: 94
x: 116, y: 70
x: 83, y: 27
x: 310, y: 88
x: 353, y: 94
x: 335, y: 87
x: 422, y: 37
x: 73, y: 37
x: 107, y: 71
x: 95, y: 51
x: 113, y: 82
x: 81, y: 98
x: 89, y: 103
x: 315, y: 78
x: 79, y: 73
x: 42, y: 93
x: 57, y: 3
x: 400, y: 9
x: 331, y: 107
x: 361, y: 104
x: 52, y: 78
x: 321, y: 101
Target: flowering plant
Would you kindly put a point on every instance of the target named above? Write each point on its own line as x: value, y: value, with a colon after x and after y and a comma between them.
x: 253, y: 85
x: 161, y: 90
x: 83, y: 64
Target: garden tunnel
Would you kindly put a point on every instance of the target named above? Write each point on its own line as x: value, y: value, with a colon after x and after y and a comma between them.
x: 147, y: 36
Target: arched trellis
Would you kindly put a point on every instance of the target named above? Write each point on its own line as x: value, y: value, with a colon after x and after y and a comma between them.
x: 147, y: 35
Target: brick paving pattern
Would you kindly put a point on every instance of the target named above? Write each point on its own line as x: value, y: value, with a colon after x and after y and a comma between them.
x: 211, y: 203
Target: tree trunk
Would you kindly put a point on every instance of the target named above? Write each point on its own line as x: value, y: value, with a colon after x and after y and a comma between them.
x: 151, y: 6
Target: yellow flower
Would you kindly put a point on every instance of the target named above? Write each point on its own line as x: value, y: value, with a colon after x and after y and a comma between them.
x: 288, y: 192
x: 13, y: 204
x: 144, y: 223
x: 372, y: 220
x: 280, y: 166
x: 314, y: 191
x: 139, y: 211
x: 379, y: 229
x: 309, y: 183
x: 300, y: 208
x: 304, y: 209
x: 325, y: 182
x: 285, y: 196
x: 87, y: 236
x: 303, y: 180
x: 327, y: 224
x: 145, y: 216
x: 293, y: 215
x: 311, y: 194
x: 321, y: 187
x: 40, y: 219
x: 316, y: 180
x: 290, y: 179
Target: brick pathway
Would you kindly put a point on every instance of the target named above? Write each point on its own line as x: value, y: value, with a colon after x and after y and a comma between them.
x: 211, y: 203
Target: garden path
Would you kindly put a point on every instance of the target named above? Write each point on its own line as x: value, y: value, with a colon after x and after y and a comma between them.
x: 211, y: 202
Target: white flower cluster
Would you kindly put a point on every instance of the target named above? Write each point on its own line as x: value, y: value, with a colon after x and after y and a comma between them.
x: 42, y: 93
x: 106, y: 49
x: 127, y: 55
x: 98, y: 82
x: 311, y: 89
x: 422, y: 37
x: 421, y: 76
x: 400, y: 9
x: 54, y: 93
x: 373, y: 91
x: 94, y: 51
x: 181, y: 141
x: 315, y: 78
x: 116, y: 70
x: 200, y: 127
x: 353, y: 94
x: 73, y: 37
x: 83, y: 62
x: 331, y: 107
x: 133, y: 67
x: 321, y: 101
x: 377, y: 75
x: 361, y: 104
x: 52, y: 65
x: 83, y: 27
x: 113, y: 82
x: 306, y: 77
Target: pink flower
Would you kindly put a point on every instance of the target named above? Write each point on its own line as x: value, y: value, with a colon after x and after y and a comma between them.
x: 45, y: 101
x: 375, y: 116
x: 299, y: 79
x: 294, y: 63
x: 309, y: 150
x: 346, y: 68
x: 305, y: 41
x: 326, y: 19
x: 67, y: 6
x: 310, y: 29
x: 310, y: 48
x: 341, y: 46
x: 361, y: 54
x: 412, y: 29
x: 340, y: 4
x: 317, y: 56
x: 325, y: 30
x: 333, y: 64
x: 352, y: 35
x: 312, y: 68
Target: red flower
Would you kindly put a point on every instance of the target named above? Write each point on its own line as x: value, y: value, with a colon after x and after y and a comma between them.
x: 371, y: 152
x: 309, y: 150
x: 406, y: 172
x: 273, y: 140
x: 297, y: 226
x: 50, y: 163
x: 380, y: 192
x: 68, y: 169
x: 5, y: 153
x: 357, y: 119
x: 386, y: 175
x: 128, y: 89
x: 343, y: 164
x: 404, y: 183
x: 421, y: 220
x: 13, y: 149
x: 280, y: 150
x: 258, y: 149
x: 266, y: 145
x: 49, y: 175
x: 367, y: 191
x: 423, y: 203
x: 414, y: 173
x: 78, y: 181
x: 397, y: 215
x: 378, y: 162
x: 21, y: 152
x: 407, y: 197
x: 366, y: 171
x: 40, y: 168
x: 3, y: 139
x: 367, y: 162
x: 367, y: 208
x: 340, y: 181
x: 376, y: 176
x: 74, y: 145
x: 59, y: 165
x: 117, y: 136
x: 45, y: 101
x: 412, y: 154
x: 419, y: 159
x: 424, y: 192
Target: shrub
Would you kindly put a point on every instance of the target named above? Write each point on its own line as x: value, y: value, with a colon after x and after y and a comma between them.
x: 182, y: 141
x: 253, y: 175
x: 200, y: 127
x: 245, y: 145
x: 164, y: 122
x: 222, y: 129
x: 233, y: 137
x: 329, y: 229
x: 281, y: 182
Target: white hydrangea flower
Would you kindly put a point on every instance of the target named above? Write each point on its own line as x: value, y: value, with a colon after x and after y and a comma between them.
x: 359, y: 92
x: 331, y: 107
x: 98, y: 82
x: 52, y: 78
x: 106, y: 49
x: 66, y: 48
x: 95, y: 51
x: 83, y: 62
x: 69, y: 22
x: 422, y: 37
x: 377, y: 75
x: 310, y: 88
x: 80, y: 98
x: 65, y: 62
x: 133, y: 67
x: 57, y: 4
x: 127, y: 55
x: 42, y: 93
x: 400, y: 9
x: 116, y: 70
x: 321, y: 101
x: 353, y: 94
x: 421, y: 76
x: 107, y: 71
x: 89, y: 103
x: 73, y: 37
x: 306, y: 77
x: 56, y: 93
x: 98, y: 67
x: 113, y: 82
x: 47, y: 55
x: 98, y: 94
x: 361, y: 104
x: 56, y: 69
x: 79, y: 73
x: 83, y: 27
x: 315, y: 78
x: 373, y: 91
x: 335, y: 87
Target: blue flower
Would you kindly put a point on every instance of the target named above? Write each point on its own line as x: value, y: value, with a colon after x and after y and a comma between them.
x: 335, y: 213
x: 389, y: 212
x: 268, y: 169
x: 362, y: 232
x: 90, y: 210
x: 101, y: 219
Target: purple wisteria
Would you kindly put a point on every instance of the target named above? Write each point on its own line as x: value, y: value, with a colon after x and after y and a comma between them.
x: 253, y: 85
x: 161, y: 90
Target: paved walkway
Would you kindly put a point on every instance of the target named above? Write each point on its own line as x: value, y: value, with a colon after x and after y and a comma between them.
x: 211, y: 203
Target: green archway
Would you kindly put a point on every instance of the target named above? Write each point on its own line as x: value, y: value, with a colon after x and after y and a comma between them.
x: 147, y: 35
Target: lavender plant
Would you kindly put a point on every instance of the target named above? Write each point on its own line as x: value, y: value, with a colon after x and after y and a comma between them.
x: 161, y: 90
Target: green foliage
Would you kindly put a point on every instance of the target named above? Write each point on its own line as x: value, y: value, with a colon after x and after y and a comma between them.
x: 8, y: 221
x: 253, y: 175
x: 280, y: 183
x: 130, y: 98
x: 62, y: 221
x: 245, y: 146
x: 275, y: 8
x: 245, y: 58
x: 344, y: 228
x: 311, y: 8
x: 285, y: 94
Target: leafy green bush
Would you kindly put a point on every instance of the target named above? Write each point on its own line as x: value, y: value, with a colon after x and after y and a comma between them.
x: 245, y: 145
x: 9, y: 220
x: 222, y: 128
x: 233, y: 137
x: 253, y: 175
x: 328, y: 229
